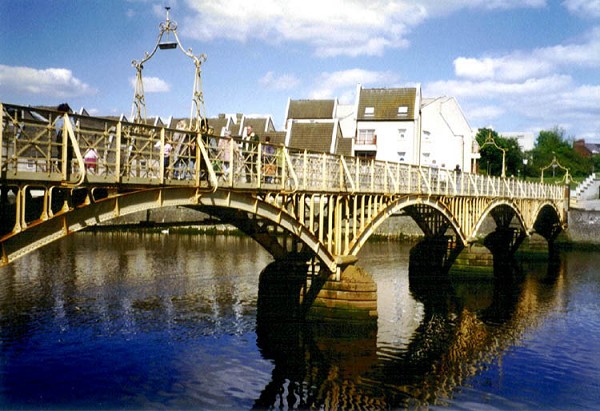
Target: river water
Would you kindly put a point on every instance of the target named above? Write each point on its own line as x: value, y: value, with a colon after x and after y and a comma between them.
x: 150, y: 321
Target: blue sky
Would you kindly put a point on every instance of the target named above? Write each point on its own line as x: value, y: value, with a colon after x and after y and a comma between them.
x: 514, y: 65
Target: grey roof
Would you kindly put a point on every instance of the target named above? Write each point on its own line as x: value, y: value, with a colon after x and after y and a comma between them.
x: 385, y: 103
x: 277, y: 137
x: 344, y: 145
x: 217, y: 123
x: 314, y: 136
x: 260, y: 125
x: 311, y: 109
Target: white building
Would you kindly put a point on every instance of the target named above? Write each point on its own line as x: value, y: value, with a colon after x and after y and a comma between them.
x: 399, y: 125
x: 388, y: 124
x: 447, y: 137
x: 526, y: 140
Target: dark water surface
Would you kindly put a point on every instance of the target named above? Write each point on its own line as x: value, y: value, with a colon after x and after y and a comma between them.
x: 148, y: 321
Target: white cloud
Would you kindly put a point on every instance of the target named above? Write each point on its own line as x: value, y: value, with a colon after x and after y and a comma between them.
x: 521, y: 65
x: 279, y: 83
x: 53, y: 82
x: 583, y: 8
x: 485, y: 113
x: 443, y: 8
x: 510, y: 68
x: 152, y: 85
x: 494, y: 89
x: 332, y: 28
x: 342, y: 84
x: 548, y: 101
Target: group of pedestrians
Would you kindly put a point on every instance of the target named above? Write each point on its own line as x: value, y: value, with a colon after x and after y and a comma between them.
x: 179, y: 156
x: 180, y: 153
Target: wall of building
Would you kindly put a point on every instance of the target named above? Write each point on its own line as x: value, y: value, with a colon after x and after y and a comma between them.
x: 389, y: 144
x: 451, y: 137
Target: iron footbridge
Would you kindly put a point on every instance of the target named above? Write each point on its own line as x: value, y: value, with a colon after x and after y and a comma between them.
x: 62, y: 172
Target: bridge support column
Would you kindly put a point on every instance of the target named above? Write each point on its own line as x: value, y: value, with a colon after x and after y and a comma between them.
x: 549, y: 227
x: 434, y: 254
x: 351, y: 298
x: 506, y: 239
x: 288, y: 291
x: 503, y: 243
x: 438, y: 250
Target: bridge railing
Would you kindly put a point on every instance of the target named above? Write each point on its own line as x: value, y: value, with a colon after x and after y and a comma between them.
x: 44, y: 145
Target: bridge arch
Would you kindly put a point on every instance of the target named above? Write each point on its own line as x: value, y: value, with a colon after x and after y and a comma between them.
x: 268, y: 210
x: 547, y: 221
x: 90, y: 213
x: 403, y: 203
x: 497, y: 205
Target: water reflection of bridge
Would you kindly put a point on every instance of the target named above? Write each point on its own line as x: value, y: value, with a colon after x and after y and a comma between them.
x: 464, y: 328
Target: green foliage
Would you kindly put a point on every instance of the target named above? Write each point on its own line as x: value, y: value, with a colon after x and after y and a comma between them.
x: 596, y: 163
x: 491, y: 156
x: 552, y: 145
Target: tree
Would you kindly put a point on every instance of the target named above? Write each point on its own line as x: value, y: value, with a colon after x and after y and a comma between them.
x: 552, y: 144
x: 491, y: 156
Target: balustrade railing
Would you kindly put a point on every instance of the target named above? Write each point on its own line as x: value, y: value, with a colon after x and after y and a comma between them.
x: 47, y: 146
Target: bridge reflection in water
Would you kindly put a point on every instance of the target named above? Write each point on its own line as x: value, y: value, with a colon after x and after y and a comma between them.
x: 153, y: 312
x: 465, y: 326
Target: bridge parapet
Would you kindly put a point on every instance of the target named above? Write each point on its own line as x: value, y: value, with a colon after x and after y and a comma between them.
x: 35, y: 148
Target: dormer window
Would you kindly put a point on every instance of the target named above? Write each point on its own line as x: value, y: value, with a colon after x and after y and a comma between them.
x: 369, y: 111
x: 402, y: 111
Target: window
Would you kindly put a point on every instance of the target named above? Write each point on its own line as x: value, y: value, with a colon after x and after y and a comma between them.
x: 369, y: 111
x: 366, y: 136
x: 401, y: 155
x: 402, y: 111
x: 401, y: 135
x: 426, y: 135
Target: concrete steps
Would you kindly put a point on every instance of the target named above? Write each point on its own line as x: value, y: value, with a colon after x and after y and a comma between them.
x: 587, y: 194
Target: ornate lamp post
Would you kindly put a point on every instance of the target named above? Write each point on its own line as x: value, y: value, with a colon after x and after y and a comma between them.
x: 490, y: 141
x: 198, y: 112
x: 554, y: 164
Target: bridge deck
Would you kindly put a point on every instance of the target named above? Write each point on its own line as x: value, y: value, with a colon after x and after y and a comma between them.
x: 129, y: 154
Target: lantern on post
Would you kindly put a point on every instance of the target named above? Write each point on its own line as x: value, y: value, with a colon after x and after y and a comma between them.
x: 168, y: 28
x: 490, y: 141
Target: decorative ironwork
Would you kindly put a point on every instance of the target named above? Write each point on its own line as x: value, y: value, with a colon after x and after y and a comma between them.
x: 198, y: 112
x: 554, y: 164
x: 490, y: 141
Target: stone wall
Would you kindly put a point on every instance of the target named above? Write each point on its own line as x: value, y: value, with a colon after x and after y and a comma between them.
x: 584, y: 226
x: 399, y: 226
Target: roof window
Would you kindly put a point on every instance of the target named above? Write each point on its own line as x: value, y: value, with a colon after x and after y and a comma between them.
x: 369, y: 111
x: 402, y: 111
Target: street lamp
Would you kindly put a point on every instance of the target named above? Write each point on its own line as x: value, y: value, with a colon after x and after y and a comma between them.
x: 554, y: 163
x: 490, y: 140
x: 138, y: 108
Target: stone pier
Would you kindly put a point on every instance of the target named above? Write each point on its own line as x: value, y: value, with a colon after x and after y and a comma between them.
x: 352, y: 298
